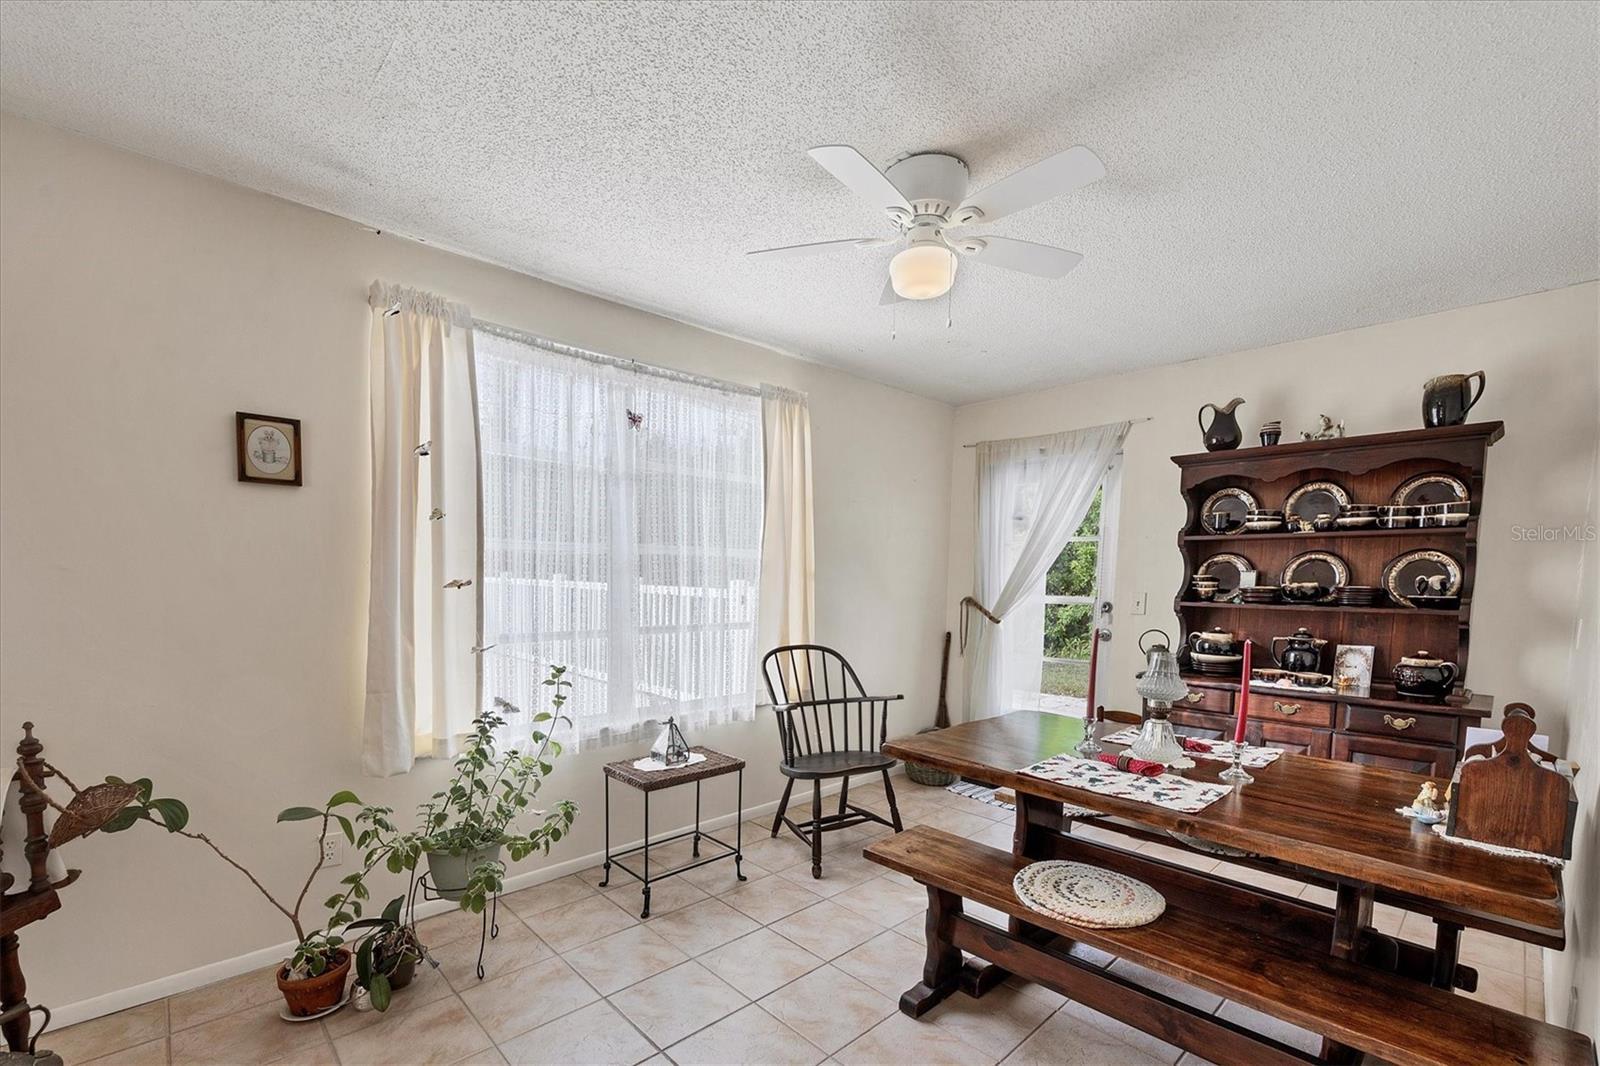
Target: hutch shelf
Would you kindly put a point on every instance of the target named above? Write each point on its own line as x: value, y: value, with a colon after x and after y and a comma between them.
x: 1377, y: 726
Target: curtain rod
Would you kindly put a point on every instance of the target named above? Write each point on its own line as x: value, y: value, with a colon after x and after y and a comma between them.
x: 651, y: 369
x: 1130, y: 421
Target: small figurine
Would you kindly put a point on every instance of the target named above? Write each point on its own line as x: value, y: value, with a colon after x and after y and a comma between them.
x: 1425, y: 808
x: 1327, y: 429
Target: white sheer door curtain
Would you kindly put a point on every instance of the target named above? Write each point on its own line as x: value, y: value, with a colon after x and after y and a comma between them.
x: 1032, y: 493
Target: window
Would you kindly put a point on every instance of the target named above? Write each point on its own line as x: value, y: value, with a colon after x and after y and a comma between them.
x: 622, y: 517
x: 1077, y: 594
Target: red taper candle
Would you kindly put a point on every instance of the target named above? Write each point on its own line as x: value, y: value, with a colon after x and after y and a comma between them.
x: 1094, y: 659
x: 1244, y: 697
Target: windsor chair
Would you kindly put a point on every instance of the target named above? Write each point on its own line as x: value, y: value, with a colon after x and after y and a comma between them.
x: 829, y: 728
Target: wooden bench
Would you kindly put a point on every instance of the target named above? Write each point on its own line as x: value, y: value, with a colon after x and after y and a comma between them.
x: 1263, y: 951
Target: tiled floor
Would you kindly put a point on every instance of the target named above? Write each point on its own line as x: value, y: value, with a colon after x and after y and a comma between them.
x: 782, y: 969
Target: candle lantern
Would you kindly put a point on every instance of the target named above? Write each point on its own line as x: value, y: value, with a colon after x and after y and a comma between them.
x: 1160, y: 687
x: 670, y: 748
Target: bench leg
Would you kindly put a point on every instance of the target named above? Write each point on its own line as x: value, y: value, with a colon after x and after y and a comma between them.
x: 783, y: 805
x: 941, y: 972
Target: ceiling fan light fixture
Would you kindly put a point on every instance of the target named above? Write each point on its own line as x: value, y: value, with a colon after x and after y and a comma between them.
x: 923, y: 271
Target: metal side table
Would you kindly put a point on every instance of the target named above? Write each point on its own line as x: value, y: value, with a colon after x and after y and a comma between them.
x: 715, y: 764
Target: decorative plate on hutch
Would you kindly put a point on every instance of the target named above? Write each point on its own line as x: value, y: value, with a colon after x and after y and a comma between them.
x: 1430, y: 488
x: 1317, y: 497
x: 1235, y: 502
x: 1400, y: 576
x: 1325, y: 568
x: 1226, y: 568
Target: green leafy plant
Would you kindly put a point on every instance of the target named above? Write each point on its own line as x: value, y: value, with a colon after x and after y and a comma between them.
x: 383, y: 951
x: 478, y: 810
x: 367, y: 827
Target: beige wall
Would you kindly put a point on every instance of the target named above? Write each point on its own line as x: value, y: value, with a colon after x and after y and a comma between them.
x: 1572, y: 977
x: 1540, y: 353
x: 159, y: 618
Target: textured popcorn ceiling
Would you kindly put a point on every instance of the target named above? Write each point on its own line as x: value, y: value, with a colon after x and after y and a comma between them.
x: 1276, y: 170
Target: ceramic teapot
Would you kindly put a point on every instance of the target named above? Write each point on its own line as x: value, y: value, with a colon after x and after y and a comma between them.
x: 1424, y: 677
x: 1223, y: 433
x: 1447, y: 398
x: 1302, y: 652
x: 1214, y: 642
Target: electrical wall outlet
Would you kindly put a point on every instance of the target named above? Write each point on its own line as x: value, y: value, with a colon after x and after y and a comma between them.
x: 332, y: 850
x: 1141, y: 603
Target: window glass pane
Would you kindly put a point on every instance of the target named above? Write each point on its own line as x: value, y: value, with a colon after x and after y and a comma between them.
x: 1065, y: 679
x: 1091, y: 521
x: 1073, y: 572
x: 1066, y: 630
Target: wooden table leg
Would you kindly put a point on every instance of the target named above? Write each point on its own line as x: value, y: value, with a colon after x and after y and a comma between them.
x: 1446, y: 953
x: 1352, y: 914
x: 941, y: 972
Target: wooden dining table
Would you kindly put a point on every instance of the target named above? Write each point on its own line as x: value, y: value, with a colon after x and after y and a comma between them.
x: 1329, y: 823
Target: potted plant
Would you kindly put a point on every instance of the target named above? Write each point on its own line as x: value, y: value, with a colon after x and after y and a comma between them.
x: 312, y: 979
x: 387, y: 957
x: 467, y: 826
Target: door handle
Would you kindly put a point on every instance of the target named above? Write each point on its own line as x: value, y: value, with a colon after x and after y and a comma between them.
x: 1290, y: 709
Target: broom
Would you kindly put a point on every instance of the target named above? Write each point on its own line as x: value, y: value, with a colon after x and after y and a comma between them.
x: 922, y: 773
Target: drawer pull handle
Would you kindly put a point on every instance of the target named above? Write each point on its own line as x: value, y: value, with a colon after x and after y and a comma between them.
x: 1402, y: 724
x: 1195, y: 697
x: 1286, y: 708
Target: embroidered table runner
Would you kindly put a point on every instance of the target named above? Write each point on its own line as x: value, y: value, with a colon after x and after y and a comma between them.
x: 1221, y: 750
x: 1168, y: 790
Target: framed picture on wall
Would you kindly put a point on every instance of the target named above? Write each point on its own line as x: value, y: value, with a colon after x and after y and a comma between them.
x: 269, y: 449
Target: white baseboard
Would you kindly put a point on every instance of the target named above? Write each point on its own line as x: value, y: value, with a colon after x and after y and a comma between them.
x: 187, y: 980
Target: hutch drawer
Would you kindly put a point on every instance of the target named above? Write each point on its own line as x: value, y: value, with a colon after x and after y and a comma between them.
x: 1402, y: 725
x: 1431, y: 759
x: 1292, y: 738
x: 1287, y: 707
x: 1207, y: 699
x: 1201, y: 726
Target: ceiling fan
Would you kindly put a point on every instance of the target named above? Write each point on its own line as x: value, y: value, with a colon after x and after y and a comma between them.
x: 925, y: 197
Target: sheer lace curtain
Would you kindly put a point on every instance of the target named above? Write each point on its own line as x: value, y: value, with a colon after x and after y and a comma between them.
x: 1033, y: 493
x: 622, y: 539
x: 423, y: 608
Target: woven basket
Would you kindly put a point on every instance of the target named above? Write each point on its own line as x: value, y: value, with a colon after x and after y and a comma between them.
x: 929, y: 775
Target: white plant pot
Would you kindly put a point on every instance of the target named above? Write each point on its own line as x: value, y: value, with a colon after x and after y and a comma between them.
x: 449, y: 872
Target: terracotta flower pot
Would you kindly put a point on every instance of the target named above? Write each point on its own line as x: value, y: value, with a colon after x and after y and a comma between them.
x: 313, y: 995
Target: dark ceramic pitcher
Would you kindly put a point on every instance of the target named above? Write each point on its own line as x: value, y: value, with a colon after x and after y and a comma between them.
x: 1447, y: 398
x: 1223, y: 433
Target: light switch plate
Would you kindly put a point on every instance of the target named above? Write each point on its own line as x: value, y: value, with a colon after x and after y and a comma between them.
x: 1141, y: 602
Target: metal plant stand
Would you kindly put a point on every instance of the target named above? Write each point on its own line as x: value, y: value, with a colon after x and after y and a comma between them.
x: 647, y: 781
x: 420, y: 885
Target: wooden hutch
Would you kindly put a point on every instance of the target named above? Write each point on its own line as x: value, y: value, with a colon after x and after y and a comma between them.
x: 1378, y: 728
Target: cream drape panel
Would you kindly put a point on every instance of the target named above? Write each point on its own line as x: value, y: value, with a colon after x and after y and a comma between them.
x: 788, y: 551
x: 1032, y: 494
x: 424, y: 612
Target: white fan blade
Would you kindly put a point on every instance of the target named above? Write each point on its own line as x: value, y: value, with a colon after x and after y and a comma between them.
x: 791, y: 250
x: 889, y: 295
x: 1030, y: 258
x: 1060, y: 173
x: 860, y: 176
